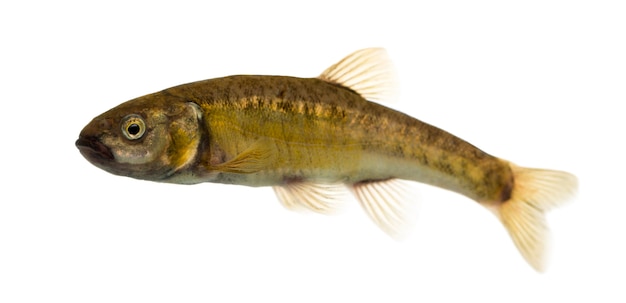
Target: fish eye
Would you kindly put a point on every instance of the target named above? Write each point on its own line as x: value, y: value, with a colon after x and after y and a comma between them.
x: 133, y: 127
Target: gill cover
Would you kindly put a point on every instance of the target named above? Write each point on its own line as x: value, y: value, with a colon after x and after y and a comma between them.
x: 151, y: 137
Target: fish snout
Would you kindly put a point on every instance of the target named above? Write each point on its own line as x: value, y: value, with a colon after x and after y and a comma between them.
x: 94, y: 150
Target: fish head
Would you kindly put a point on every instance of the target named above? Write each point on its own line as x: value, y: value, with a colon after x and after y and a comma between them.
x: 149, y: 138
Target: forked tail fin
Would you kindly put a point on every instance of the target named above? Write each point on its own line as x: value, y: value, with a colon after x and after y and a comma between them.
x: 535, y: 191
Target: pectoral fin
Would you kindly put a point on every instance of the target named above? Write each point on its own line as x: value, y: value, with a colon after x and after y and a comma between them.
x: 255, y: 158
x: 388, y: 203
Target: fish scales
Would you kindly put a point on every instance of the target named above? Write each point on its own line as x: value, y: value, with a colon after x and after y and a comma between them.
x: 310, y: 139
x: 329, y: 133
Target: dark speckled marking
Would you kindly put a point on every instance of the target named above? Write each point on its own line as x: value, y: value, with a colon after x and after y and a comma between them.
x: 303, y: 103
x: 505, y: 195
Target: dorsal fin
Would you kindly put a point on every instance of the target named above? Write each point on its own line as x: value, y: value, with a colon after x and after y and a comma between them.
x: 369, y: 72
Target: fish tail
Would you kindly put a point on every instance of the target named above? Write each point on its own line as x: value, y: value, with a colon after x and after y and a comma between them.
x: 534, y: 192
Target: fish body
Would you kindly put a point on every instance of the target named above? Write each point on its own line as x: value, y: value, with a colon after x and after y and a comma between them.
x: 308, y: 136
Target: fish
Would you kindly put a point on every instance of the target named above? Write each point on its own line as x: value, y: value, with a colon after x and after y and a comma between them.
x: 315, y: 139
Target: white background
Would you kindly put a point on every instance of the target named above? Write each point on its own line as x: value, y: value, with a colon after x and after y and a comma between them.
x: 540, y: 83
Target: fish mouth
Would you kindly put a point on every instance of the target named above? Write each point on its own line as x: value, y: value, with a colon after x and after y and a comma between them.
x: 92, y: 149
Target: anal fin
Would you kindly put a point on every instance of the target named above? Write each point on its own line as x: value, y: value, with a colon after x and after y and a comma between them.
x: 388, y: 203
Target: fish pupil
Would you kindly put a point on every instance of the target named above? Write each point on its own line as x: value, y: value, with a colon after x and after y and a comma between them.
x: 134, y: 129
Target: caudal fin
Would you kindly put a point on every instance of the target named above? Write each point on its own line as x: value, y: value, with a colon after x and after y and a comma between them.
x: 535, y: 191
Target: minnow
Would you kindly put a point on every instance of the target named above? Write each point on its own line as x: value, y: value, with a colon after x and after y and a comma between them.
x: 308, y: 137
